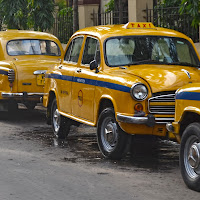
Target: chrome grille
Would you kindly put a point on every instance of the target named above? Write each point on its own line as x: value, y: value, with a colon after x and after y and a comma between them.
x: 162, y: 104
x: 11, y: 75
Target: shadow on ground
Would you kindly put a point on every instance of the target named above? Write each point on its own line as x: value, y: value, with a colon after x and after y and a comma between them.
x: 24, y: 116
x: 146, y: 153
x: 153, y: 155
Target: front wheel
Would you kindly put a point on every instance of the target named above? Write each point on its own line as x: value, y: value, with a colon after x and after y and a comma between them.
x: 60, y: 124
x: 112, y: 141
x: 190, y: 156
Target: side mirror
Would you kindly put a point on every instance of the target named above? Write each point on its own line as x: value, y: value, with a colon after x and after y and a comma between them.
x: 94, y: 65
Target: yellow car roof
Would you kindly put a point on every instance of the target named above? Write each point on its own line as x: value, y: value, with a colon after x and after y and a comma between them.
x: 106, y: 31
x: 23, y: 34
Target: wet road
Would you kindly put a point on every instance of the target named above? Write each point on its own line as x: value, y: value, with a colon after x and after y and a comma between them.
x: 34, y: 165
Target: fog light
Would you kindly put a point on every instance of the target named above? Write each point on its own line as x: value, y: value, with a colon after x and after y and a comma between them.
x: 138, y: 107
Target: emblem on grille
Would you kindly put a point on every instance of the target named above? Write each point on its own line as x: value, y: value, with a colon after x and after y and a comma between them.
x: 188, y: 73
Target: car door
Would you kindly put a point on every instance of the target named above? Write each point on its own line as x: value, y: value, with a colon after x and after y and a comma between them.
x: 83, y: 86
x: 66, y: 71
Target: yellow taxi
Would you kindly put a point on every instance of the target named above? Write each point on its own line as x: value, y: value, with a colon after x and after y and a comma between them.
x: 25, y: 56
x: 186, y: 128
x: 121, y: 79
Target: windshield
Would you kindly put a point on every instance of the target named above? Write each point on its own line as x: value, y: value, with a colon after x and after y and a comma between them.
x: 32, y: 47
x: 132, y: 50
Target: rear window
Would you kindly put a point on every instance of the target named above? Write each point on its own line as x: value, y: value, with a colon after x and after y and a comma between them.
x: 32, y: 47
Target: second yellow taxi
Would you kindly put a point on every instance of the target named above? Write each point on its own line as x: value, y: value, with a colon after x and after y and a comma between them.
x: 122, y: 79
x: 24, y: 59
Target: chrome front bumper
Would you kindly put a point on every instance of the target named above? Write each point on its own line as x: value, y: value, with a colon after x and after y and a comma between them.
x: 149, y: 120
x: 21, y: 95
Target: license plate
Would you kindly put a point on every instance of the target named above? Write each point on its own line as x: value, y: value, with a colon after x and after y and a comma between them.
x: 40, y: 79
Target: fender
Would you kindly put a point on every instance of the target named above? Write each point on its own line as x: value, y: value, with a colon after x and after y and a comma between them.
x: 190, y: 109
x: 97, y: 106
x: 4, y: 83
x: 46, y: 98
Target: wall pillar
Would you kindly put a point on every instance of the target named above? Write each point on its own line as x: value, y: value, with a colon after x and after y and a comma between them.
x: 85, y: 9
x: 135, y: 10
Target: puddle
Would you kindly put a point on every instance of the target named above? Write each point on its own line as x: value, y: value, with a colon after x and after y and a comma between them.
x: 147, y: 155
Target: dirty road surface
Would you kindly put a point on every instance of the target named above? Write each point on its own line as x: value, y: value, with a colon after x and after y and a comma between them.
x: 35, y: 166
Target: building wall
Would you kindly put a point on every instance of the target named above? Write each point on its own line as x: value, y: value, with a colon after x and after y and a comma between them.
x: 103, y: 3
x: 198, y: 47
x: 85, y: 14
x: 136, y: 9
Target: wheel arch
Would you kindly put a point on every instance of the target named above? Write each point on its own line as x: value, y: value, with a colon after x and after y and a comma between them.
x: 5, y: 67
x: 105, y: 102
x: 188, y: 117
x: 51, y: 96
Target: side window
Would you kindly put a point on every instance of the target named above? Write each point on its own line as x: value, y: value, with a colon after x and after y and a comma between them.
x: 67, y: 55
x: 73, y: 50
x: 98, y: 55
x: 91, y: 51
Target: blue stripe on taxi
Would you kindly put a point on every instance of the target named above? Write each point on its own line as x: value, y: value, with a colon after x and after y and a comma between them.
x: 3, y: 72
x: 188, y: 96
x: 90, y: 82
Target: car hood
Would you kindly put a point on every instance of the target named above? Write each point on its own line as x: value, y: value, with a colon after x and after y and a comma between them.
x: 165, y: 77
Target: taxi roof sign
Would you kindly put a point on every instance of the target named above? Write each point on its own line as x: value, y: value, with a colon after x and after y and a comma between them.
x: 131, y: 25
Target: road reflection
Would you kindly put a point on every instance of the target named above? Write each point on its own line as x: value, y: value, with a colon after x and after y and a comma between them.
x: 146, y: 153
x: 157, y: 155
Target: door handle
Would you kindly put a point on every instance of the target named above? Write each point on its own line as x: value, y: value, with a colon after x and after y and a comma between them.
x: 78, y: 70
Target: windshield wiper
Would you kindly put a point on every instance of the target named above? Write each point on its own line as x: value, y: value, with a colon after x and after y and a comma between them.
x: 182, y: 63
x: 145, y: 62
x: 163, y: 63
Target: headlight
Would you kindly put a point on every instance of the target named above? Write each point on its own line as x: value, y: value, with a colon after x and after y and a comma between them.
x: 139, y: 92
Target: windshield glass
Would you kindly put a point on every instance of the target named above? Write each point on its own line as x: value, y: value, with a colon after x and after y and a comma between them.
x: 32, y: 47
x: 121, y: 51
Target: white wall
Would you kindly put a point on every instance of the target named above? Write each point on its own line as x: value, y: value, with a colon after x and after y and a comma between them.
x: 135, y: 9
x: 198, y: 47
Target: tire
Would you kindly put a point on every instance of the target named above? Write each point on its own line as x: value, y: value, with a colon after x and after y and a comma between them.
x: 117, y: 142
x: 60, y: 124
x: 189, y: 158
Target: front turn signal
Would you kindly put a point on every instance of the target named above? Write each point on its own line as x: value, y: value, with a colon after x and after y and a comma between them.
x: 138, y: 107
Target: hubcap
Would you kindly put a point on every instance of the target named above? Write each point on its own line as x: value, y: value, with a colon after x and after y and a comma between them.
x: 192, y: 157
x: 56, y: 120
x: 109, y: 134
